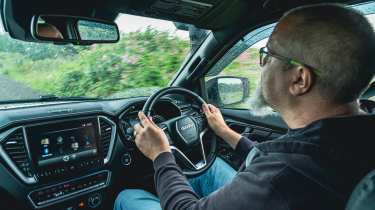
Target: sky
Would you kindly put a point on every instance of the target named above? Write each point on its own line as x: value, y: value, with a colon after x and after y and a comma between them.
x: 371, y: 18
x: 131, y: 23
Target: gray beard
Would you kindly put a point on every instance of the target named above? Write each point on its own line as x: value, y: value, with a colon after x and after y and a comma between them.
x: 258, y: 104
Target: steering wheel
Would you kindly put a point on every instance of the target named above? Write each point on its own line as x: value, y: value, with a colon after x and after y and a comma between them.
x: 186, y: 133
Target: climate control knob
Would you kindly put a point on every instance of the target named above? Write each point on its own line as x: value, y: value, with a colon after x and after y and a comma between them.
x: 94, y: 200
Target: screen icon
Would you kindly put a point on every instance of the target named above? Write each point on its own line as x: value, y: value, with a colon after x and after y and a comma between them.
x: 44, y: 141
x: 60, y: 140
x: 75, y: 146
x: 45, y: 151
x: 87, y: 141
x: 66, y: 158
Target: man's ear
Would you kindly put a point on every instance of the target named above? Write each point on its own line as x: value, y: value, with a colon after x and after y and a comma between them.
x: 301, y: 81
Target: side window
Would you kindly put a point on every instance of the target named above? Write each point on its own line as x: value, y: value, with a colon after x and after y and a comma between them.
x: 234, y: 83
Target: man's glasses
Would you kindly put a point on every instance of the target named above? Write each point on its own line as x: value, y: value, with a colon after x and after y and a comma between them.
x: 265, y: 54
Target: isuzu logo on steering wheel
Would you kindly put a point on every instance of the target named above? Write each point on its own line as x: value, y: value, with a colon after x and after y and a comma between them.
x: 190, y: 125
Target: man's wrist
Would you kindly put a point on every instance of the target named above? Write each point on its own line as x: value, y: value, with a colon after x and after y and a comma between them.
x: 162, y: 159
x: 230, y: 136
x: 156, y: 155
x: 222, y: 132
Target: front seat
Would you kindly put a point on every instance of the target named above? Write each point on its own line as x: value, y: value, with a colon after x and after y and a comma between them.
x: 363, y: 196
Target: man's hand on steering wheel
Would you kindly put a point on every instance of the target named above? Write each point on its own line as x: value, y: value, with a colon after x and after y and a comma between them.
x: 149, y: 138
x: 215, y: 119
x: 216, y: 122
x: 152, y: 141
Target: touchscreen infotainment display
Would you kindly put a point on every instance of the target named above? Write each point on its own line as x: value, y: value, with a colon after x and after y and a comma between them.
x: 64, y: 141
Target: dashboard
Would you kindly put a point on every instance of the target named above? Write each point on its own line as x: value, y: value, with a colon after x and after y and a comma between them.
x: 75, y: 155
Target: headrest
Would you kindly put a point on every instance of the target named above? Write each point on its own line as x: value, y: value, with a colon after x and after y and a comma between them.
x: 363, y: 196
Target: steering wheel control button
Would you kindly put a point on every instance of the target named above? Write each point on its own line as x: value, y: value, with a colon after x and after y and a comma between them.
x: 126, y: 159
x: 201, y: 120
x: 187, y: 130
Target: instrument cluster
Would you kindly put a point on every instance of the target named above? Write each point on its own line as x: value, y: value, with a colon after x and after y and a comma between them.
x: 163, y: 110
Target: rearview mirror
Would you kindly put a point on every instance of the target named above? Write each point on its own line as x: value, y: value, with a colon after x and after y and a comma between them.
x: 227, y: 90
x: 71, y: 29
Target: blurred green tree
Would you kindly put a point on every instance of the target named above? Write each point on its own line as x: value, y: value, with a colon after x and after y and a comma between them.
x: 141, y: 59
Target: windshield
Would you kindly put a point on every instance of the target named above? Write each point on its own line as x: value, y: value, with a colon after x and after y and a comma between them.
x: 146, y: 58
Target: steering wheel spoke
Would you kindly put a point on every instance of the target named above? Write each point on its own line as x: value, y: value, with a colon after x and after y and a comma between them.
x: 201, y: 121
x: 201, y: 164
x: 167, y: 133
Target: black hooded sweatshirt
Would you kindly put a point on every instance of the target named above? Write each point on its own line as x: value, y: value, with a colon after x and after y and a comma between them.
x: 315, y: 167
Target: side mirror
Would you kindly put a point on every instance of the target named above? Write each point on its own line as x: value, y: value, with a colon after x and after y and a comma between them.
x: 71, y: 29
x: 227, y: 90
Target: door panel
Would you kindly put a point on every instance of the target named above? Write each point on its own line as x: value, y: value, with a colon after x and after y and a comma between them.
x: 244, y: 116
x: 255, y: 128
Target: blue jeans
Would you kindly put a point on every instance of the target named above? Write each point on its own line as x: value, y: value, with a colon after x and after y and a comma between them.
x: 215, y: 177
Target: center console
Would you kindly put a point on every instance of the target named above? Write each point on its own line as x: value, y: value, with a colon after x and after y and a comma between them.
x: 50, y: 194
x: 61, y: 160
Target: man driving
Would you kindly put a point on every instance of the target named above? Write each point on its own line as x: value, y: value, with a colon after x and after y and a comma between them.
x: 316, y: 64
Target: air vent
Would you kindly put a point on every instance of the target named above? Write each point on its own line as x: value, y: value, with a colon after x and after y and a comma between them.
x: 107, y: 129
x: 15, y: 148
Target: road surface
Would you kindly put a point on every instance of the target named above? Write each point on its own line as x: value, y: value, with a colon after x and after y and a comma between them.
x: 12, y: 90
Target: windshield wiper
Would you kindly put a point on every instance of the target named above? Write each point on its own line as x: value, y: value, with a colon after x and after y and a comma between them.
x: 67, y: 98
x: 51, y: 98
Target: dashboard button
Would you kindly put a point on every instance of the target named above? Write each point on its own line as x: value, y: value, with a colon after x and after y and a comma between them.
x: 126, y: 159
x: 81, y: 205
x: 130, y: 131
